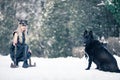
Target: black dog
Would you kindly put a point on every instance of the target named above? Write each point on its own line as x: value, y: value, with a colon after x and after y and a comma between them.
x: 98, y: 54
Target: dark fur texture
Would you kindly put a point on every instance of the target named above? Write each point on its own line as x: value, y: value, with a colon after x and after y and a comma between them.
x: 98, y: 54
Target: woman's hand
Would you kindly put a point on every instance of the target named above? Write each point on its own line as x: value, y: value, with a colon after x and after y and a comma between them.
x: 15, y: 39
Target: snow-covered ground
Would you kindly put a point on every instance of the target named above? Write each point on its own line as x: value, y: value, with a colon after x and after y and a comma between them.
x: 55, y: 69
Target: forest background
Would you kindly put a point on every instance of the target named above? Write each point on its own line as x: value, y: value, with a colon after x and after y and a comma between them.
x: 56, y: 26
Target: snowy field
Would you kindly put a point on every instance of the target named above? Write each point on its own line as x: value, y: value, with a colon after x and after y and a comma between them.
x: 55, y: 69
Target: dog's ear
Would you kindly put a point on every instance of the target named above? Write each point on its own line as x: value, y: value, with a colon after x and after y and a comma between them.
x: 85, y: 32
x: 91, y: 34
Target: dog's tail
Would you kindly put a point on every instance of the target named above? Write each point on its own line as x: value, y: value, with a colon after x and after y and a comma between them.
x: 118, y: 71
x: 115, y: 71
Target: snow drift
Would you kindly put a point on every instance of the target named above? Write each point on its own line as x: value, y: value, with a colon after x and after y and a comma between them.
x: 55, y: 69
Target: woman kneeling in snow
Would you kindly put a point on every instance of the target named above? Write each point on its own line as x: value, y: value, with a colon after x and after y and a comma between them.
x: 19, y: 50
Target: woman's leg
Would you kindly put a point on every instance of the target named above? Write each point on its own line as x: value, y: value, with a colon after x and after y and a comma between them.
x: 26, y: 56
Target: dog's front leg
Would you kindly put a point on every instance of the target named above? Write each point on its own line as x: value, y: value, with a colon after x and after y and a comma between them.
x: 89, y: 62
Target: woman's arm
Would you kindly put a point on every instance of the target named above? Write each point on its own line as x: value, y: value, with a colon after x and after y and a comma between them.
x: 15, y: 39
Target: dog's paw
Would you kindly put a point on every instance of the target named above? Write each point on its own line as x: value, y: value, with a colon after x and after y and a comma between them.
x: 87, y: 68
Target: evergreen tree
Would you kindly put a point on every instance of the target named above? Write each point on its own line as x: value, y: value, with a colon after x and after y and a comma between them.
x: 7, y: 12
x: 114, y: 7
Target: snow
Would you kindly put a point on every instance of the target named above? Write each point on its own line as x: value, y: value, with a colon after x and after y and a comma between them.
x: 70, y: 68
